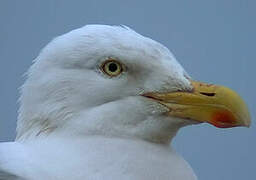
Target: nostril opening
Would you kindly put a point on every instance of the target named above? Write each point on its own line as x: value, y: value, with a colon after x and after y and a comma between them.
x: 207, y: 94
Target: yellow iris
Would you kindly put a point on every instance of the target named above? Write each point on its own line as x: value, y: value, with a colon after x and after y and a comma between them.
x: 112, y: 68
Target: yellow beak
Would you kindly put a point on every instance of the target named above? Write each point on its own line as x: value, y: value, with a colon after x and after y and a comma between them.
x: 217, y: 105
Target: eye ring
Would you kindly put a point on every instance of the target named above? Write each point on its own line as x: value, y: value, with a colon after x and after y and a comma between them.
x: 112, y: 68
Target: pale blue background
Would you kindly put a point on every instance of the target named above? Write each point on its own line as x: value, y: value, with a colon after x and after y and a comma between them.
x: 213, y: 39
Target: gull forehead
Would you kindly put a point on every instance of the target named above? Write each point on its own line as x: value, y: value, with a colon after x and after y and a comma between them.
x: 99, y: 41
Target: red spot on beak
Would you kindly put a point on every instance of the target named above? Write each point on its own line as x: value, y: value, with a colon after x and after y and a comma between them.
x: 223, y: 119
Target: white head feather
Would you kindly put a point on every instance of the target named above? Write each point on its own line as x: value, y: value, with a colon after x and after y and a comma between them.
x: 66, y: 93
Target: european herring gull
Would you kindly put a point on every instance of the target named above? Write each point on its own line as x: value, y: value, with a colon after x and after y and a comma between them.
x: 103, y: 103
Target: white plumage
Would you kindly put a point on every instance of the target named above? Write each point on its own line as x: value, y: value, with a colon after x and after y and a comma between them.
x: 77, y: 123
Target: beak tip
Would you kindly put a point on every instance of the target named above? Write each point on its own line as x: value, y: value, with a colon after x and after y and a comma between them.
x: 246, y: 122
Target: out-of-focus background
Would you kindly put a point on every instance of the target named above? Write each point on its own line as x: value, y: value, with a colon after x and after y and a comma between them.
x: 213, y: 40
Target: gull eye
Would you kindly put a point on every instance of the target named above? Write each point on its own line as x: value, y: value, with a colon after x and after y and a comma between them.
x: 112, y: 68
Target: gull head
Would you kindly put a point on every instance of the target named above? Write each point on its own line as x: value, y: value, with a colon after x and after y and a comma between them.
x: 111, y: 81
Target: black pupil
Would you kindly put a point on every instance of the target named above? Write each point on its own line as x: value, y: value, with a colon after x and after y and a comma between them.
x: 112, y: 67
